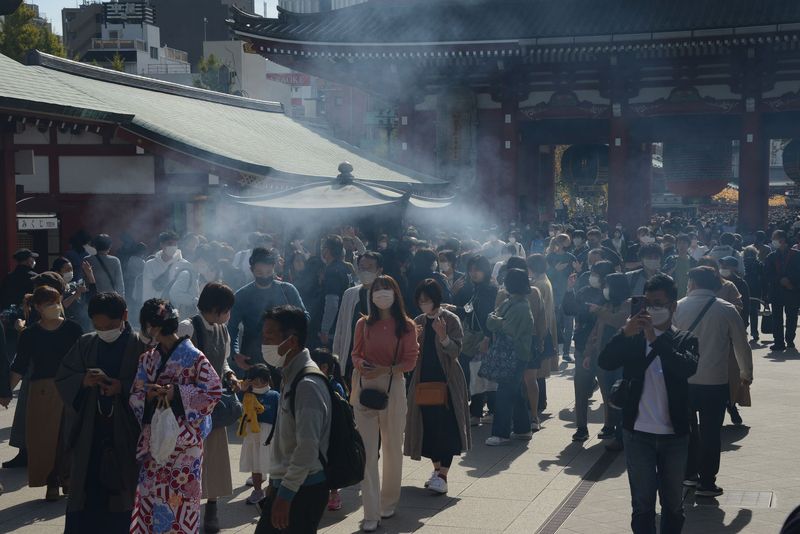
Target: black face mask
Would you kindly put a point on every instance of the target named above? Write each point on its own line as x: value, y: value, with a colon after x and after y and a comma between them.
x: 264, y: 281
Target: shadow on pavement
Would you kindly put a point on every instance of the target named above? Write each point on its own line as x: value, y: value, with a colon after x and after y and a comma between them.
x: 711, y: 518
x: 784, y: 355
x: 31, y: 512
x: 731, y: 434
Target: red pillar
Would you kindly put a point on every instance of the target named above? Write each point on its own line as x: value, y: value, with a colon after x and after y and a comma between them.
x: 617, y: 171
x: 8, y: 202
x: 546, y: 196
x: 509, y: 187
x: 640, y: 184
x: 630, y: 177
x: 753, y: 172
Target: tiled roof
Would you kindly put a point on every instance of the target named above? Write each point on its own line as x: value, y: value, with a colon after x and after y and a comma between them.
x: 239, y: 133
x: 442, y: 21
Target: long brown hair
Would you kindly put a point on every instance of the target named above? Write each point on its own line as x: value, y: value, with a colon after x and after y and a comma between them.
x: 403, y: 322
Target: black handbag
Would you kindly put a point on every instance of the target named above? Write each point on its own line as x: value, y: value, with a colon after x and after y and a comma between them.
x: 621, y: 390
x: 375, y: 399
x: 767, y: 323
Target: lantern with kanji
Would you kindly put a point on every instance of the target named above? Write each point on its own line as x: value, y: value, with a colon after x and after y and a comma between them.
x: 698, y: 167
x: 585, y: 165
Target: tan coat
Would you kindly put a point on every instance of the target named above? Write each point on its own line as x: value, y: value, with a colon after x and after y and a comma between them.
x: 456, y: 384
x: 730, y: 293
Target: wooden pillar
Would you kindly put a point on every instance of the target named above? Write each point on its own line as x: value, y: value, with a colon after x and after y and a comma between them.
x: 617, y: 170
x: 753, y: 171
x: 406, y: 123
x: 546, y: 184
x: 640, y: 182
x: 509, y: 187
x: 8, y: 201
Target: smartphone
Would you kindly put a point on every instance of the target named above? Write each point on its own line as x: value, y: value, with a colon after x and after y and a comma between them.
x: 95, y: 371
x: 638, y: 304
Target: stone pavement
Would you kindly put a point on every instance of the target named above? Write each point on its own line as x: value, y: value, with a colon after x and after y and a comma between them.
x: 524, y: 487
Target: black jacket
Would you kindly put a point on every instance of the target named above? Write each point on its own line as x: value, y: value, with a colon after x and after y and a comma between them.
x: 576, y: 303
x: 777, y: 266
x: 678, y: 352
x: 15, y: 286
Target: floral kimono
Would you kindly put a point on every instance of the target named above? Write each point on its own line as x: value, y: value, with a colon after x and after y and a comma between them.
x: 168, y: 496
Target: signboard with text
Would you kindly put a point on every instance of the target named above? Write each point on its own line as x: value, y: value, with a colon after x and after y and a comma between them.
x: 290, y: 78
x: 37, y: 223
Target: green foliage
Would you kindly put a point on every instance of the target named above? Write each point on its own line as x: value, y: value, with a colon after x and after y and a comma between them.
x: 19, y: 34
x: 213, y: 75
x: 117, y: 63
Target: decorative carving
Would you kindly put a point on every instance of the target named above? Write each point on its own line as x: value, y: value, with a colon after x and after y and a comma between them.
x: 565, y: 104
x: 684, y: 99
x: 785, y: 102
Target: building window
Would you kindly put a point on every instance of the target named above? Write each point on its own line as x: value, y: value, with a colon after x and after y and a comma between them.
x: 154, y: 52
x: 113, y: 34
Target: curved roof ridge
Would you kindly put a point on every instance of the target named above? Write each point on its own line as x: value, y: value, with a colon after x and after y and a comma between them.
x: 133, y: 80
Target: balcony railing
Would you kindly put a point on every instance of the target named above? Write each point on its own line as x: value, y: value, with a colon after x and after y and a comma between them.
x: 119, y: 44
x: 176, y: 55
x: 168, y: 69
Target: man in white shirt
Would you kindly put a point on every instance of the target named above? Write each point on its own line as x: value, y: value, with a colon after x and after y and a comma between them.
x: 720, y: 331
x: 656, y: 361
x: 160, y: 272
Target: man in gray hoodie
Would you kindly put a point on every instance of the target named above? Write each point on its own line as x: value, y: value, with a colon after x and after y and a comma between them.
x: 298, y: 490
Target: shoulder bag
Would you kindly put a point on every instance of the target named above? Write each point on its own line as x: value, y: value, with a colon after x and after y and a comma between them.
x: 375, y: 399
x: 500, y: 363
x: 621, y: 390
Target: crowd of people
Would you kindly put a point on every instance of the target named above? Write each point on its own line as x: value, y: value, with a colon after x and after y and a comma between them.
x: 428, y: 333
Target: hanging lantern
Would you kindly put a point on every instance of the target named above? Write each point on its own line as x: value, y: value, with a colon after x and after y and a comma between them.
x: 7, y: 7
x: 698, y: 167
x: 585, y: 164
x: 791, y: 160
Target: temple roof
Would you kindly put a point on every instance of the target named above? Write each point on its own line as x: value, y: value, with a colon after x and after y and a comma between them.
x: 242, y: 134
x: 431, y: 22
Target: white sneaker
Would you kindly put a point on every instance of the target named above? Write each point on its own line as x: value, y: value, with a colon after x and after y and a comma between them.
x: 488, y: 418
x: 370, y: 526
x: 494, y: 441
x: 434, y: 474
x: 387, y: 514
x: 255, y: 497
x: 438, y: 485
x: 522, y: 436
x: 249, y: 481
x: 474, y: 421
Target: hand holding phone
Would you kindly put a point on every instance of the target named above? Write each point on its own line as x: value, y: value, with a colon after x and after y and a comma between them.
x: 638, y: 305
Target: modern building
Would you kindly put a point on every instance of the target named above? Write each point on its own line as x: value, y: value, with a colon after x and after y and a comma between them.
x: 246, y: 71
x: 80, y: 25
x: 92, y: 148
x: 482, y: 92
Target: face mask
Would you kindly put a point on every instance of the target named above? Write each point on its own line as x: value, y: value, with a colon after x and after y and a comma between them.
x: 660, y: 315
x: 445, y: 267
x: 52, y: 311
x: 578, y: 242
x: 725, y: 273
x: 383, y: 298
x: 646, y: 239
x: 776, y: 244
x: 552, y: 233
x: 383, y: 245
x: 260, y: 391
x: 272, y: 355
x: 512, y: 240
x: 594, y: 281
x: 426, y: 307
x: 109, y: 336
x: 652, y: 265
x: 90, y: 250
x: 606, y: 293
x: 67, y: 276
x: 367, y: 277
x: 434, y: 266
x: 170, y: 251
x: 264, y: 281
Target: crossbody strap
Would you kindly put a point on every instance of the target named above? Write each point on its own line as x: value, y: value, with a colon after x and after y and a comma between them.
x: 702, y: 314
x: 105, y: 269
x: 391, y: 369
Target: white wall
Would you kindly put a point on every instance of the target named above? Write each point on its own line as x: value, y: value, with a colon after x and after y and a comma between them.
x: 107, y: 174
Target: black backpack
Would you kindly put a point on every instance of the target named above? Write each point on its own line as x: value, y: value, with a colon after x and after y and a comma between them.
x: 344, y: 463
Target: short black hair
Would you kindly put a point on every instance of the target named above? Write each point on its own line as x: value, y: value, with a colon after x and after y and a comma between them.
x: 602, y: 268
x: 110, y: 304
x: 335, y: 246
x: 727, y: 239
x: 259, y: 371
x: 705, y: 278
x: 515, y: 262
x: 579, y: 233
x: 780, y: 234
x: 60, y: 262
x: 662, y: 282
x: 683, y: 238
x: 167, y: 236
x: 431, y: 289
x: 291, y: 321
x: 262, y: 255
x: 517, y: 282
x: 216, y: 297
x: 450, y: 255
x: 650, y: 250
x: 480, y: 263
x: 159, y: 313
x: 102, y: 242
x: 370, y: 255
x: 537, y: 263
x: 594, y: 232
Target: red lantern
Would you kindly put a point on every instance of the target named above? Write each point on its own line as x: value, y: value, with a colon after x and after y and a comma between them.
x: 698, y: 167
x: 791, y: 160
x: 585, y: 164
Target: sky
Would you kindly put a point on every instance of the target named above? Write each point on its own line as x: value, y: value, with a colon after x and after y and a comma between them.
x: 52, y: 8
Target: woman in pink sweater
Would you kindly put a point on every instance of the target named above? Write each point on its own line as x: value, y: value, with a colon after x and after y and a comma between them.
x: 384, y: 348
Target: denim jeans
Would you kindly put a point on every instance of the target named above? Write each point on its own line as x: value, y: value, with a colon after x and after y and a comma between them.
x: 705, y: 444
x: 655, y: 465
x: 511, y: 405
x: 584, y: 386
x: 614, y: 415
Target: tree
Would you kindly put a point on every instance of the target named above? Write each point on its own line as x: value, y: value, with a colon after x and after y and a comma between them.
x: 20, y: 33
x: 214, y: 75
x: 118, y: 63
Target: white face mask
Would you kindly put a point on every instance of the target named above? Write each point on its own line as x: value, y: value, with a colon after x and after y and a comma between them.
x: 606, y: 293
x: 383, y: 298
x: 659, y: 315
x: 594, y: 280
x: 90, y: 250
x: 272, y: 355
x: 512, y: 240
x: 367, y: 277
x: 725, y: 273
x: 109, y: 336
x: 67, y: 276
x: 652, y: 265
x: 426, y: 307
x: 776, y: 244
x: 260, y: 391
x: 170, y: 251
x: 577, y: 242
x: 445, y: 267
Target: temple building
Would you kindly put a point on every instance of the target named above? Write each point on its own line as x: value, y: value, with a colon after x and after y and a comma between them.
x: 482, y: 91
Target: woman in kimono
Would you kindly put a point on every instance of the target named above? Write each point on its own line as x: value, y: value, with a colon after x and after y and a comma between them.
x: 168, y: 495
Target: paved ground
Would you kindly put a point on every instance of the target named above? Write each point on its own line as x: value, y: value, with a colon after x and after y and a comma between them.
x: 518, y: 489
